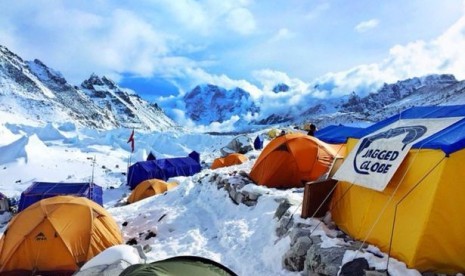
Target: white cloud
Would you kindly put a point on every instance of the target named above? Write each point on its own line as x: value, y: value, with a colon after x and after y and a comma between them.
x: 198, y: 76
x: 270, y: 78
x: 443, y: 55
x: 282, y: 34
x: 318, y: 10
x: 367, y: 25
x: 241, y: 21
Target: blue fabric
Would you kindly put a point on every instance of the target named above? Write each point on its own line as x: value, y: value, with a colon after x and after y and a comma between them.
x: 41, y: 190
x: 449, y: 140
x: 163, y: 169
x: 336, y: 134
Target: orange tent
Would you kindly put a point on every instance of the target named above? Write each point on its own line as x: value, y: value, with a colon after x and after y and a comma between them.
x: 149, y: 188
x: 56, y: 236
x: 291, y: 160
x: 231, y: 159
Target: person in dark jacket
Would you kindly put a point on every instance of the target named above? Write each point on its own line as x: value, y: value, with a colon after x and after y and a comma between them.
x: 311, y: 131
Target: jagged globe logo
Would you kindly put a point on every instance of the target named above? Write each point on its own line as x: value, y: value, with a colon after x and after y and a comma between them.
x: 412, y: 133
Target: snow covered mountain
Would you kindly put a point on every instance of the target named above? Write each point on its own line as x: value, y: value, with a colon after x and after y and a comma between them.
x: 34, y: 93
x: 127, y: 109
x: 210, y: 103
x: 386, y: 101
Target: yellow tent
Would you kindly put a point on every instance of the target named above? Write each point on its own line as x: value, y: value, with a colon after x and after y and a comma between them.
x: 231, y: 159
x: 418, y: 217
x: 149, y: 188
x: 291, y: 160
x: 56, y: 235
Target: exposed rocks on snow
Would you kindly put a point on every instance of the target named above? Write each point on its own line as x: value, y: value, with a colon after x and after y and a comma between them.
x: 309, y: 251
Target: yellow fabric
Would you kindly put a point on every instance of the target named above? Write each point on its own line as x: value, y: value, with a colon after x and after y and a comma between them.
x: 149, y: 188
x: 231, y: 159
x: 57, y: 234
x: 291, y: 160
x: 273, y: 133
x: 428, y: 191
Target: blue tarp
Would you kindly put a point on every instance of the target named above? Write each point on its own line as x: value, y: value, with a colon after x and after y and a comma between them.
x: 448, y: 140
x: 41, y: 190
x: 336, y: 134
x: 163, y: 169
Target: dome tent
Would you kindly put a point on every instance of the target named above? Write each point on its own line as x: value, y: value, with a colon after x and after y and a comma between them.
x: 149, y: 188
x: 291, y: 160
x: 179, y: 266
x: 55, y: 236
x: 231, y: 159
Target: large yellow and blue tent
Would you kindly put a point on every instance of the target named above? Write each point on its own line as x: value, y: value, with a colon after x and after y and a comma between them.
x: 418, y: 217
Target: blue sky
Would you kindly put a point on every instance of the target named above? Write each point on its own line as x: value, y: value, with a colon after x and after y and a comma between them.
x: 166, y: 47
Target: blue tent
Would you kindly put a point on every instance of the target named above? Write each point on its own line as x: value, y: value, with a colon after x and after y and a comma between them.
x: 336, y: 134
x: 448, y: 140
x: 41, y: 190
x: 163, y: 169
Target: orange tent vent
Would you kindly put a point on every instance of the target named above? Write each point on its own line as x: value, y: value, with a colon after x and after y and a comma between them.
x: 149, y: 188
x: 291, y: 160
x: 231, y: 159
x: 56, y: 236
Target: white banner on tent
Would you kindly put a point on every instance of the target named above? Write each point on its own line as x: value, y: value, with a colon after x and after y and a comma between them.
x: 377, y: 156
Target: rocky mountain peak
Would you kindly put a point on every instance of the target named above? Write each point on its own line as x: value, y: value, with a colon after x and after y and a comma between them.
x: 209, y: 103
x: 281, y: 87
x: 37, y: 93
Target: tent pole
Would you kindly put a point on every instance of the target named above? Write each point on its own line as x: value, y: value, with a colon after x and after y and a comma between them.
x: 400, y: 201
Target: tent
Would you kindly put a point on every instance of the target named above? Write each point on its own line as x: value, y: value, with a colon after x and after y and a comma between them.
x: 179, y: 266
x: 41, y: 190
x: 291, y: 160
x: 163, y: 169
x: 149, y: 188
x: 240, y: 144
x: 273, y: 133
x: 55, y: 236
x: 337, y: 134
x: 231, y: 159
x: 418, y: 217
x: 150, y: 156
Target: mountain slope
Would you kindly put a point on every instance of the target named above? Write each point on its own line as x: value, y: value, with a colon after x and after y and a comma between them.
x: 209, y: 103
x: 127, y: 109
x: 31, y: 92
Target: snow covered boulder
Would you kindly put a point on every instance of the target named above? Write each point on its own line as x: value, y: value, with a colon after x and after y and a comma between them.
x: 110, y: 262
x: 240, y: 144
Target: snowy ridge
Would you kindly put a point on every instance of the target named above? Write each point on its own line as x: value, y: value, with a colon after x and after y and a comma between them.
x: 31, y: 92
x: 127, y: 108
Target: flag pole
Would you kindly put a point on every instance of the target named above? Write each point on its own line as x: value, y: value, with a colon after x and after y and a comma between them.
x: 131, y: 140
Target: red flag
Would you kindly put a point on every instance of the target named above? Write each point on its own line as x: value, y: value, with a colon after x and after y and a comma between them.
x: 131, y: 139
